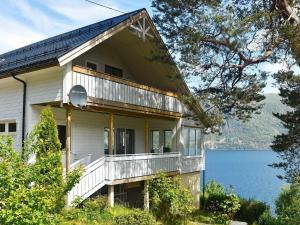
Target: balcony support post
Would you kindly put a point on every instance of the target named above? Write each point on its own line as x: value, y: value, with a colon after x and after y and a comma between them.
x: 68, y: 138
x: 111, y: 196
x: 111, y: 133
x: 146, y: 196
x: 146, y: 135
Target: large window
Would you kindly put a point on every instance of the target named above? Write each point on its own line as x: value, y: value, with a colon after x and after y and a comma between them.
x: 167, y: 140
x: 155, y: 148
x: 192, y: 141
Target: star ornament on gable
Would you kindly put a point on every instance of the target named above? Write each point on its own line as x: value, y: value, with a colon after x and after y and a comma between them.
x: 142, y: 28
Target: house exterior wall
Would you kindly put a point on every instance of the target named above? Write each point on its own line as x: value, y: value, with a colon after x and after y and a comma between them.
x: 11, y: 92
x: 101, y: 55
x: 192, y: 182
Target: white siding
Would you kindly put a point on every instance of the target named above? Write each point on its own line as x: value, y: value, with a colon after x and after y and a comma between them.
x: 11, y: 92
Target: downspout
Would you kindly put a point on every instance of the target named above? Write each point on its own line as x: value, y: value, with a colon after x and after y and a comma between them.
x: 24, y: 108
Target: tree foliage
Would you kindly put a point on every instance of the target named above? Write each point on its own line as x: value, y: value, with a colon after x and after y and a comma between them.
x: 170, y: 201
x: 220, y: 44
x: 33, y: 193
x: 287, y: 145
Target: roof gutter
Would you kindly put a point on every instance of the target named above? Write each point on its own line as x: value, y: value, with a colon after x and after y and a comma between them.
x: 24, y: 107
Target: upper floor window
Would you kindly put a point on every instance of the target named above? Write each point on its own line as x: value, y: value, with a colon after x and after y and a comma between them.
x: 91, y: 65
x: 113, y: 71
x: 8, y: 127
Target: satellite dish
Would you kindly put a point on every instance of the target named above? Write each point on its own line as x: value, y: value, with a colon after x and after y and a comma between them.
x: 78, y: 96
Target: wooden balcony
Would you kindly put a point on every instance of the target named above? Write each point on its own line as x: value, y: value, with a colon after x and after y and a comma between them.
x: 104, y: 89
x: 117, y: 169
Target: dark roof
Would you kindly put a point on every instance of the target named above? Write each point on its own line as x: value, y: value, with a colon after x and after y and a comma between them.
x: 47, y: 52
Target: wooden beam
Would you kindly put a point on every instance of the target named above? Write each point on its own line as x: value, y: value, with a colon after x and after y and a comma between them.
x: 111, y: 134
x: 146, y: 134
x: 68, y: 138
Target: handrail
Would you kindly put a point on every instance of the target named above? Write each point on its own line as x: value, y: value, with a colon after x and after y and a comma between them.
x: 131, y: 83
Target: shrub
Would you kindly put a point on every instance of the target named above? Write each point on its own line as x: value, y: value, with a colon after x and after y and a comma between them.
x: 267, y: 219
x: 223, y: 204
x: 288, y: 205
x: 97, y: 204
x: 170, y: 200
x: 250, y: 211
x: 34, y: 193
x: 136, y: 217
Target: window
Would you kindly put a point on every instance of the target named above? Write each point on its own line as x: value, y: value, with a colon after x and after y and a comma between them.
x: 2, y: 127
x: 106, y: 134
x: 91, y: 65
x: 62, y: 135
x: 155, y: 141
x: 192, y: 141
x: 167, y: 140
x: 8, y: 127
x: 12, y: 127
x: 113, y: 71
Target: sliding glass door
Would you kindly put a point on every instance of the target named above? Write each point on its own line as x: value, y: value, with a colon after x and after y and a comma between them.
x: 124, y: 141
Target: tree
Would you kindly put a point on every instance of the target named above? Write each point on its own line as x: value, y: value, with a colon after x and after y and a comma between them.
x: 288, y: 205
x: 287, y: 145
x: 34, y: 193
x: 170, y: 201
x: 221, y: 43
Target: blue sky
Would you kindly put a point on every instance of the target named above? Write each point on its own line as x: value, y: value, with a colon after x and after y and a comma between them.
x: 26, y: 21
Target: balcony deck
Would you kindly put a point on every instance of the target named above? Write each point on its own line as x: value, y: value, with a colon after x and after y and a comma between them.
x: 104, y: 89
x: 117, y: 169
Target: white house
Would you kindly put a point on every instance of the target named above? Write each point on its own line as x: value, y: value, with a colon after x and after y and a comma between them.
x: 133, y: 125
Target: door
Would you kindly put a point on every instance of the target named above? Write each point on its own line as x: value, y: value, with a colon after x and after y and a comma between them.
x: 124, y: 141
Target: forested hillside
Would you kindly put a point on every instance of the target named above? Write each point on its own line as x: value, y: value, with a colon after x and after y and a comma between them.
x: 258, y: 133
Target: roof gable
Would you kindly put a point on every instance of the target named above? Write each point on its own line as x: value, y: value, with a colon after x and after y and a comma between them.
x: 47, y: 52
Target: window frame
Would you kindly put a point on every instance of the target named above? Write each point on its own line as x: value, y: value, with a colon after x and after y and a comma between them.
x: 92, y: 62
x: 164, y: 140
x: 6, y: 129
x: 151, y: 143
x: 192, y: 131
x: 113, y: 67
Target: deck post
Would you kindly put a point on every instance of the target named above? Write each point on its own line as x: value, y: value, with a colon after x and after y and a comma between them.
x: 111, y: 133
x: 111, y: 196
x: 146, y: 134
x: 146, y: 196
x: 68, y: 138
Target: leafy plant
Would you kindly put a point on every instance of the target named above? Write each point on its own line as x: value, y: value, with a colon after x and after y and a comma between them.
x: 137, y: 216
x: 251, y: 210
x: 170, y: 201
x: 34, y: 193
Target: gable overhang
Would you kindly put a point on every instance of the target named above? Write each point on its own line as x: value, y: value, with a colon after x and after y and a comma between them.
x: 184, y: 90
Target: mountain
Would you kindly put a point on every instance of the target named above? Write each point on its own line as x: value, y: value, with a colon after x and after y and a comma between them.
x: 257, y: 133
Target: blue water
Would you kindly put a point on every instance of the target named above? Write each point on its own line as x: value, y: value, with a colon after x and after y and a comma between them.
x: 247, y: 171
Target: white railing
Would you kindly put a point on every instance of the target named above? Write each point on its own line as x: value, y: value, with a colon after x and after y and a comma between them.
x: 129, y: 166
x: 119, y: 91
x: 191, y: 163
x: 109, y: 169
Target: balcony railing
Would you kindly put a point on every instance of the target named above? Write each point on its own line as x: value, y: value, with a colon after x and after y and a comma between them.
x: 119, y: 168
x: 105, y: 87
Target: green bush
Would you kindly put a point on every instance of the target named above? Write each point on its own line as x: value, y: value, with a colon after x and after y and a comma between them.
x: 98, y: 204
x: 250, y: 211
x: 136, y: 217
x: 170, y: 200
x: 34, y: 193
x: 288, y: 205
x: 223, y: 204
x: 267, y: 219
